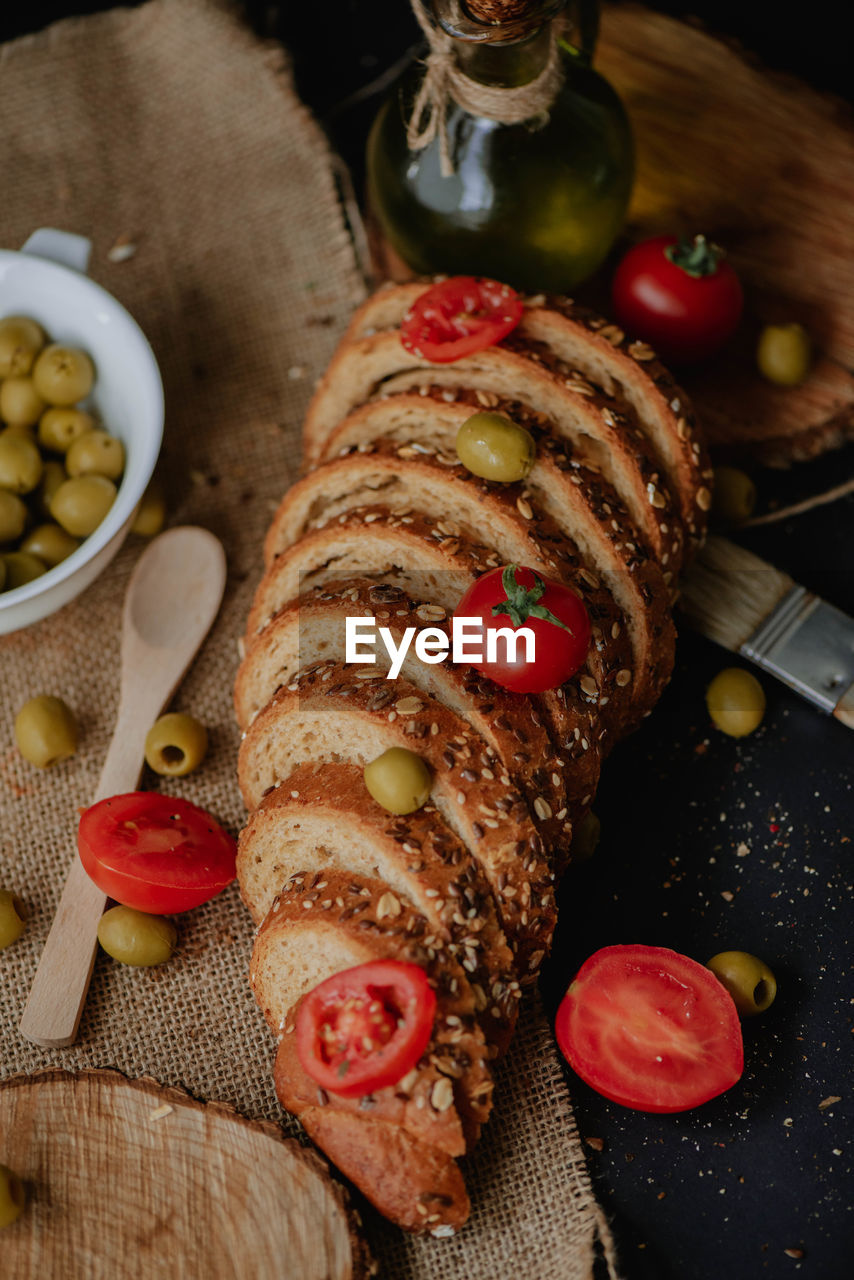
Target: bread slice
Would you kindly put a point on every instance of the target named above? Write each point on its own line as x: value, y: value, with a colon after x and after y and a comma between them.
x: 313, y: 629
x: 577, y: 500
x: 455, y: 504
x: 321, y: 819
x: 328, y: 714
x: 303, y: 941
x: 601, y: 352
x: 602, y: 435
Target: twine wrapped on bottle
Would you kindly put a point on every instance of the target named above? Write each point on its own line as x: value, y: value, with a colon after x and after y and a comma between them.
x: 444, y: 79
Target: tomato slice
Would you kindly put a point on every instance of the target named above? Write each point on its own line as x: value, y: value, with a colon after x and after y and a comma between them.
x: 155, y: 853
x: 365, y: 1027
x: 650, y: 1029
x: 458, y: 317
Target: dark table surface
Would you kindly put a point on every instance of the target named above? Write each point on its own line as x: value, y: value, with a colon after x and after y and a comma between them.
x: 707, y: 843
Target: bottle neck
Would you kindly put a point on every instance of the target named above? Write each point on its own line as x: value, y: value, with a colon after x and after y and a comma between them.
x: 505, y: 64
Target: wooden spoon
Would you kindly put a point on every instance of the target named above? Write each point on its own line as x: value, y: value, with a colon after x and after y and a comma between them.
x: 172, y: 598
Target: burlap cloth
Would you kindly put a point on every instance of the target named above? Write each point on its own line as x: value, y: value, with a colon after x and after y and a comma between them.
x: 172, y: 128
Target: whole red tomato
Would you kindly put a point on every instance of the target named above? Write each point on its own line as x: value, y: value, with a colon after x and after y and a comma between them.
x: 518, y: 597
x: 681, y: 296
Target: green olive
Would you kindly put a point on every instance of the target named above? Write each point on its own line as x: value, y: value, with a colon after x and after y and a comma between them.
x: 20, y: 462
x: 53, y: 475
x: 733, y: 496
x: 176, y: 744
x: 150, y: 515
x: 63, y: 375
x: 20, y: 403
x: 12, y: 918
x: 50, y: 543
x: 21, y: 339
x: 96, y: 453
x: 45, y: 731
x: 784, y: 354
x: 749, y: 981
x: 13, y: 1197
x: 135, y: 937
x: 21, y: 568
x: 399, y: 780
x: 736, y: 702
x: 13, y: 516
x: 493, y: 447
x: 81, y: 503
x: 585, y: 838
x: 59, y: 428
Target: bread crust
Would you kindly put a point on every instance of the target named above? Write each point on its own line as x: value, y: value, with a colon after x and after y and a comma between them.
x: 313, y: 629
x: 417, y: 855
x: 457, y: 1051
x: 488, y: 813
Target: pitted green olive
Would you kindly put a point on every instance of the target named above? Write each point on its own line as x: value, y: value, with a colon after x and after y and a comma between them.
x: 176, y: 744
x: 45, y: 731
x: 80, y: 503
x: 13, y: 516
x: 59, y: 428
x: 784, y: 354
x: 399, y: 780
x: 736, y: 702
x: 135, y: 937
x: 495, y: 448
x: 733, y: 496
x: 50, y: 543
x: 20, y: 403
x: 96, y: 453
x: 749, y: 981
x: 151, y: 513
x: 21, y: 568
x: 13, y: 1197
x: 21, y: 339
x: 63, y: 375
x: 20, y: 462
x: 12, y: 918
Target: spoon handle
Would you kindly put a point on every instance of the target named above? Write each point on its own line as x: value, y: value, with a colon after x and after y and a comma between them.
x: 149, y: 676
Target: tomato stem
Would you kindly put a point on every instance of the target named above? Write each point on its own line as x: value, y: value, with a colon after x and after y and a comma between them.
x: 697, y: 258
x: 521, y: 602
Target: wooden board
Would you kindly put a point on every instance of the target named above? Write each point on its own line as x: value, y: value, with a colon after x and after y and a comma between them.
x: 126, y: 1178
x: 763, y: 165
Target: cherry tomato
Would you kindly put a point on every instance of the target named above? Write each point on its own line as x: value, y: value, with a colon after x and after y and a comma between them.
x: 514, y: 597
x: 365, y: 1027
x: 155, y: 853
x: 645, y: 1027
x: 458, y: 317
x: 681, y: 296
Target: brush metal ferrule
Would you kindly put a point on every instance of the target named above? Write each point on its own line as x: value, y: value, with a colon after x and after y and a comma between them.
x: 809, y: 645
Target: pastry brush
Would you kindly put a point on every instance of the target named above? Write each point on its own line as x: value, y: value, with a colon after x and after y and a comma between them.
x: 751, y: 608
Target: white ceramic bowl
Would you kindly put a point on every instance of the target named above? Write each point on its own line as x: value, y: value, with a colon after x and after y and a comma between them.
x: 47, y: 280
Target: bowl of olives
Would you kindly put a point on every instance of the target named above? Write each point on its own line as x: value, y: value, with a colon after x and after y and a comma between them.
x: 81, y: 423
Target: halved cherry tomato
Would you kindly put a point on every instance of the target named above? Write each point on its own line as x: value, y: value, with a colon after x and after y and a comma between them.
x: 647, y: 1028
x: 513, y: 597
x: 682, y: 296
x: 365, y: 1027
x: 155, y: 853
x: 458, y: 317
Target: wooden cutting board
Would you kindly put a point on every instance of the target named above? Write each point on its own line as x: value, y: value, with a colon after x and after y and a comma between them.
x: 127, y: 1178
x: 763, y: 165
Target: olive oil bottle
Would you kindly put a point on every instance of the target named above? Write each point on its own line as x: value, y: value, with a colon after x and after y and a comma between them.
x: 537, y: 202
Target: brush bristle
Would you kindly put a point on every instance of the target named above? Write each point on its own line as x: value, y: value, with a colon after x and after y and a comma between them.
x: 729, y: 592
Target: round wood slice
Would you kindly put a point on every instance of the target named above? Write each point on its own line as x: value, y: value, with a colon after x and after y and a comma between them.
x: 129, y: 1178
